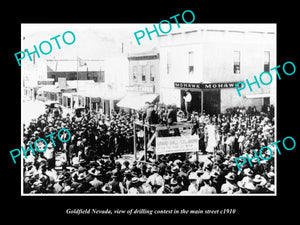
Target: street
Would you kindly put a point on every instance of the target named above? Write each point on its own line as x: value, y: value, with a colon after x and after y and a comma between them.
x: 31, y: 110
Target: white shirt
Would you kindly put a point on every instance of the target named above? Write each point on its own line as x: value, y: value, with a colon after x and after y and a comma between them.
x: 228, y: 188
x: 188, y: 97
x: 49, y: 153
x: 133, y: 190
x: 193, y: 189
x: 155, y: 179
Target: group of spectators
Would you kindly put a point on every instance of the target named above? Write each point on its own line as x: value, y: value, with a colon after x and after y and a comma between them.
x: 91, y: 162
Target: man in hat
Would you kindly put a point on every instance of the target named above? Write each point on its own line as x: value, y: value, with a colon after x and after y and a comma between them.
x: 143, y: 188
x: 187, y: 103
x: 176, y: 185
x: 127, y: 180
x: 172, y: 116
x: 151, y: 114
x: 193, y: 187
x: 95, y: 182
x: 116, y: 183
x: 259, y: 183
x: 155, y: 180
x: 229, y: 187
x: 248, y: 175
x: 84, y: 185
x: 246, y: 188
x: 216, y: 180
x: 207, y: 188
x: 58, y: 186
x: 49, y: 154
x: 134, y: 186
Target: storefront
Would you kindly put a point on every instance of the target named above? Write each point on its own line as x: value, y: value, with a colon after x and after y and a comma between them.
x: 206, y: 97
x: 99, y: 98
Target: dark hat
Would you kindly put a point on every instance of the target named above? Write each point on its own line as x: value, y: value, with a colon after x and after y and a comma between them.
x: 167, y: 189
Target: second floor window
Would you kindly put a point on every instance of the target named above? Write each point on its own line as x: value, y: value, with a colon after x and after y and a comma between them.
x: 152, y: 73
x: 134, y: 73
x: 236, y: 62
x: 168, y: 63
x: 191, y: 62
x: 267, y: 61
x: 143, y: 73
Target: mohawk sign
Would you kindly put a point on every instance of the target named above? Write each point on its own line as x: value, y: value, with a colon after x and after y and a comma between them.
x: 205, y: 85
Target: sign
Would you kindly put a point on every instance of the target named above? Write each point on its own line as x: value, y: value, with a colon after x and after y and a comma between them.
x: 205, y: 85
x: 140, y: 88
x: 45, y: 82
x: 95, y: 99
x: 62, y: 82
x: 178, y: 144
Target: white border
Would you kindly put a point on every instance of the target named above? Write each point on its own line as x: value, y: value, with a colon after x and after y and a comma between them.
x: 155, y: 195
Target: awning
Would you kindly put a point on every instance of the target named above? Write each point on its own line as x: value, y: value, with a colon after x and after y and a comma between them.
x: 101, y: 92
x: 46, y: 88
x: 258, y: 96
x: 68, y: 94
x: 136, y: 101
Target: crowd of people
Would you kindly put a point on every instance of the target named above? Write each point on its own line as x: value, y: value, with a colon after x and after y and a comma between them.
x: 93, y: 160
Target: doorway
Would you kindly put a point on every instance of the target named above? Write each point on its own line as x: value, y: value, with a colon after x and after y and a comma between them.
x: 196, y: 100
x: 211, y: 101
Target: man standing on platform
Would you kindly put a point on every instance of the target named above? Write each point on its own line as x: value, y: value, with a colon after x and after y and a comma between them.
x: 187, y: 103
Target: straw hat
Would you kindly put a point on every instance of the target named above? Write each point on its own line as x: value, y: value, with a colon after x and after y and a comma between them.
x: 249, y: 186
x: 248, y: 172
x: 135, y: 180
x: 206, y: 176
x: 230, y: 176
x: 193, y: 176
x: 259, y: 179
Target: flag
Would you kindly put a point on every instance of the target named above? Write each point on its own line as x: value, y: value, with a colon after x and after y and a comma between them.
x: 81, y: 62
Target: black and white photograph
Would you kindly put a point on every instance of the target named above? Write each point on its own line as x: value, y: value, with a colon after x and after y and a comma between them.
x: 178, y: 112
x: 184, y: 109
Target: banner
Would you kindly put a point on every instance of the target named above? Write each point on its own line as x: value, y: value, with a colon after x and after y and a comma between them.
x: 178, y: 144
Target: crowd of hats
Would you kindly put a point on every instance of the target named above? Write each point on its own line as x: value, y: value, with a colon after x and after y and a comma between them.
x: 103, y: 173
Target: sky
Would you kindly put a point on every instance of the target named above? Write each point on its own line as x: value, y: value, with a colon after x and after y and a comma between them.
x: 95, y: 41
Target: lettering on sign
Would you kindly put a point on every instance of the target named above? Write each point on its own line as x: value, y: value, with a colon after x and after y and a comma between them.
x: 168, y: 145
x: 205, y: 86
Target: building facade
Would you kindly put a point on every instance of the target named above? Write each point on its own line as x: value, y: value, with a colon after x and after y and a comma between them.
x: 143, y: 83
x: 209, y: 62
x: 144, y: 71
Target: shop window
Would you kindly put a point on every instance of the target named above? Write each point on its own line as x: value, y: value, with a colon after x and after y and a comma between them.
x: 236, y: 62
